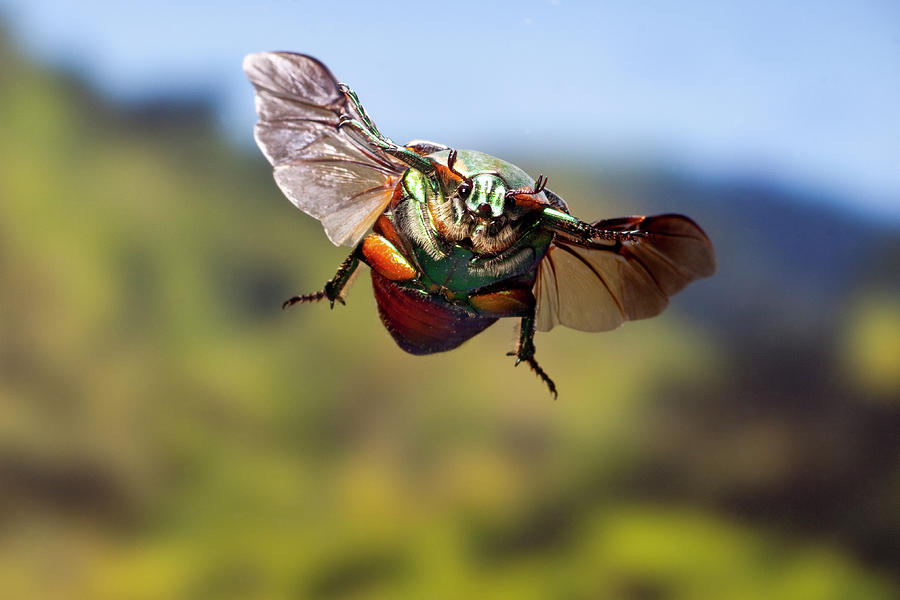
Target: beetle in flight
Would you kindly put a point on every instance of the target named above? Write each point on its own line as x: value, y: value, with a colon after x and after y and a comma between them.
x: 456, y: 239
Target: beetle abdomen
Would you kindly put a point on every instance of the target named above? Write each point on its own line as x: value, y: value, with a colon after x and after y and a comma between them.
x: 421, y: 323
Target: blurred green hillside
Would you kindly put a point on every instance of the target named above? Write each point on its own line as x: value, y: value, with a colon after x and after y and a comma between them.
x: 166, y: 431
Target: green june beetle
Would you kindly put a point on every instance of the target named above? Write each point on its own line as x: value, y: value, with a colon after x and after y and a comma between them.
x: 456, y: 240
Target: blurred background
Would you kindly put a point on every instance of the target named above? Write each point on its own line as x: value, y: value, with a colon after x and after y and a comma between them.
x: 166, y: 431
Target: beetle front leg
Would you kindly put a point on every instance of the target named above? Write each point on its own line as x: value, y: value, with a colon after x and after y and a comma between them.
x: 587, y: 234
x: 334, y: 288
x: 367, y: 128
x: 525, y: 351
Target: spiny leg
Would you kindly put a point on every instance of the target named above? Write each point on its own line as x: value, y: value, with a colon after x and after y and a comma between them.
x: 587, y: 234
x: 367, y: 122
x: 367, y: 128
x: 334, y: 287
x: 525, y: 351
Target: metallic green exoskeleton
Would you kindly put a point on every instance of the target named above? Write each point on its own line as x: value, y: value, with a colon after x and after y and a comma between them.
x: 457, y: 239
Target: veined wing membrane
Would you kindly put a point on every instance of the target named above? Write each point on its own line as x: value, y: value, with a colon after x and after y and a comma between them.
x: 597, y: 287
x: 328, y: 172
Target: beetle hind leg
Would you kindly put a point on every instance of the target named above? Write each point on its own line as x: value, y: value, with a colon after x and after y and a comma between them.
x: 334, y: 287
x: 525, y: 352
x: 538, y: 371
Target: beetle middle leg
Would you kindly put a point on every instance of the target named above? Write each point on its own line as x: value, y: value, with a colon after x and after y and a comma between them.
x: 375, y: 250
x: 334, y: 288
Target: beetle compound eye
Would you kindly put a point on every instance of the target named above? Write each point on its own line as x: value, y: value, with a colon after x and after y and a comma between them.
x: 464, y: 189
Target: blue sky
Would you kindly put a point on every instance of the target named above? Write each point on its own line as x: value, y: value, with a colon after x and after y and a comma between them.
x: 806, y: 92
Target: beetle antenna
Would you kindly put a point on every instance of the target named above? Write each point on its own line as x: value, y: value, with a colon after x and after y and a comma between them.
x: 451, y: 160
x: 538, y: 187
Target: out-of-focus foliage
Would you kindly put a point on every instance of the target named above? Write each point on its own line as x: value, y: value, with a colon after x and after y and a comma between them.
x: 167, y: 432
x: 873, y: 345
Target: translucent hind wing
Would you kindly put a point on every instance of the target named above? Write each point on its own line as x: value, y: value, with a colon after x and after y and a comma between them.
x: 328, y: 172
x: 597, y: 287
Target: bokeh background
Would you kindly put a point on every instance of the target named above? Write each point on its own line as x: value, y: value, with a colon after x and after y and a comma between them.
x: 166, y: 431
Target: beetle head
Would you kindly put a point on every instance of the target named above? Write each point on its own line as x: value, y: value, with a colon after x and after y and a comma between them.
x: 485, y: 196
x: 480, y: 207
